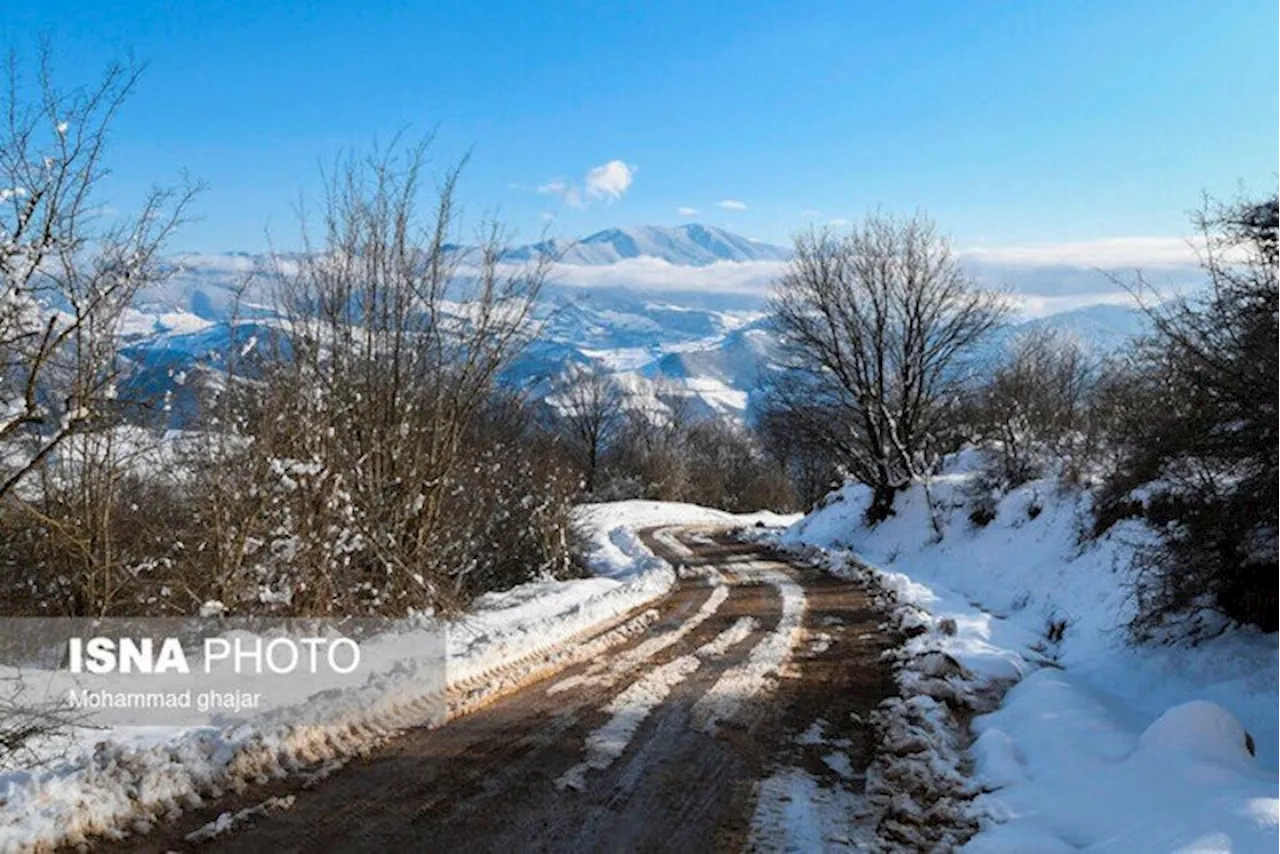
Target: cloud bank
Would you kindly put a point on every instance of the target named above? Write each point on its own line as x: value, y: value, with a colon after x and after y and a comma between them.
x: 1042, y: 279
x: 1144, y: 252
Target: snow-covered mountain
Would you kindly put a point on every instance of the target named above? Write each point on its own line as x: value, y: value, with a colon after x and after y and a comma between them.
x: 713, y: 348
x: 685, y: 245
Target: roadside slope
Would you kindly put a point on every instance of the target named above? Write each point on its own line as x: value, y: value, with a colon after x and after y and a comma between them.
x: 1098, y: 744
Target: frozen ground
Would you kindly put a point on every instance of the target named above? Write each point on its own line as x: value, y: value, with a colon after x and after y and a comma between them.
x: 131, y: 777
x: 1098, y: 745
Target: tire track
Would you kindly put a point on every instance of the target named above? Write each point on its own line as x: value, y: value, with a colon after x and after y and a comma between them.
x: 632, y: 706
x: 609, y: 671
x: 754, y: 678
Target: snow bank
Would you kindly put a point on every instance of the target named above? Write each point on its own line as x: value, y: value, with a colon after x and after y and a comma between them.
x: 615, y: 546
x: 1099, y: 745
x: 128, y: 778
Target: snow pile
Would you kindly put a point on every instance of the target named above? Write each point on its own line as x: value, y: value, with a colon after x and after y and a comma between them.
x: 128, y: 778
x: 916, y: 787
x: 1098, y: 745
x: 615, y: 547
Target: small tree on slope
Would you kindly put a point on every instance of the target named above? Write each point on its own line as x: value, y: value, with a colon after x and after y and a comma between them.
x: 876, y: 328
x: 591, y: 408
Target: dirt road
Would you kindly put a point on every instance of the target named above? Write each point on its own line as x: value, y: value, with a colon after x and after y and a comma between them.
x: 732, y: 723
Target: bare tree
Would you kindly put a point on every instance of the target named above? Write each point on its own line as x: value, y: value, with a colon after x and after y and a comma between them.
x: 67, y: 272
x: 728, y: 470
x: 394, y: 340
x: 800, y: 439
x: 875, y: 327
x: 648, y: 455
x: 591, y: 407
x: 1036, y: 403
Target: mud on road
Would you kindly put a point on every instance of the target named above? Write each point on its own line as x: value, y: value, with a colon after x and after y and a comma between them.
x: 753, y: 667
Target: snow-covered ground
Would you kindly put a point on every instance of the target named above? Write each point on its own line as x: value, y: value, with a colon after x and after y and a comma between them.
x: 130, y: 777
x: 1098, y: 745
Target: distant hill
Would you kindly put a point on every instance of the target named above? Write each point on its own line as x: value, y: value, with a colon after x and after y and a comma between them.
x: 685, y: 245
x: 712, y: 347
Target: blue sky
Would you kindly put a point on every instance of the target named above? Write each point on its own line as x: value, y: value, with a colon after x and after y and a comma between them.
x: 1011, y: 123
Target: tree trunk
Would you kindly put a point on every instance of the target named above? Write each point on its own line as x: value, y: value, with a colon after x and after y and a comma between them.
x: 881, y: 503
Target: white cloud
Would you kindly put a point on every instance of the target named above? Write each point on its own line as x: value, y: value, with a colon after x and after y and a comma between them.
x: 609, y: 180
x: 732, y: 205
x: 654, y: 274
x: 1055, y: 277
x: 562, y: 188
x: 1041, y: 279
x: 686, y: 211
x: 810, y: 213
x: 1028, y: 306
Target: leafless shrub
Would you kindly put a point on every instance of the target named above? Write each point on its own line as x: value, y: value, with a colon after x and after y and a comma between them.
x: 31, y: 729
x: 649, y: 457
x: 796, y: 437
x: 1204, y: 445
x: 1034, y: 408
x: 380, y: 474
x: 727, y: 469
x: 72, y: 537
x: 667, y: 454
x: 590, y: 409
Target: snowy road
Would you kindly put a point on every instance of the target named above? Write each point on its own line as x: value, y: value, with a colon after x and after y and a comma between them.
x: 732, y: 723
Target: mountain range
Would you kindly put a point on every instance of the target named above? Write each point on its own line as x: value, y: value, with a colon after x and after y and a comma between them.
x: 685, y: 245
x: 710, y: 347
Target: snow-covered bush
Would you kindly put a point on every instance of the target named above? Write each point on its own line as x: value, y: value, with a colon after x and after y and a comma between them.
x: 98, y: 530
x: 67, y: 273
x: 387, y: 472
x: 1033, y: 410
x: 1199, y: 446
x: 712, y: 462
x: 354, y: 458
